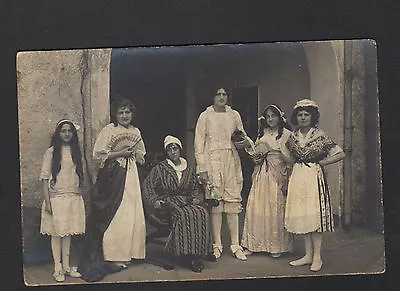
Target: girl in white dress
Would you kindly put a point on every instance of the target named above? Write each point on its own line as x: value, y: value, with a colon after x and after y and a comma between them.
x: 63, y: 210
x: 265, y: 212
x: 308, y: 207
x: 116, y: 230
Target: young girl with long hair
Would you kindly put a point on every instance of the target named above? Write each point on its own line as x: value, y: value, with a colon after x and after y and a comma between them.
x: 63, y: 211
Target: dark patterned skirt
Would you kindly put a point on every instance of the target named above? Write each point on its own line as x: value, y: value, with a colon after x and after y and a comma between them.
x: 190, y: 234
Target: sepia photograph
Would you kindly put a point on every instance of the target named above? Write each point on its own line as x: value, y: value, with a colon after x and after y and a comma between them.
x: 200, y: 162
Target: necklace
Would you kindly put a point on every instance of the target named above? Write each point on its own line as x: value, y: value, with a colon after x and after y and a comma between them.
x: 271, y: 132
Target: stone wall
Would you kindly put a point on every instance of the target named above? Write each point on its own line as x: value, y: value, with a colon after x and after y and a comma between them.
x: 366, y: 206
x: 52, y: 85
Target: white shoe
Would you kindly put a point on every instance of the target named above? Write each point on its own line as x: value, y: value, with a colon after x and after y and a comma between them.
x: 72, y: 272
x: 275, y: 255
x: 301, y: 262
x: 217, y: 251
x: 316, y: 266
x: 238, y: 253
x: 59, y: 276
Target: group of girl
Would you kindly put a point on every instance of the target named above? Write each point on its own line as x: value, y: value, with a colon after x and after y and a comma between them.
x: 289, y: 193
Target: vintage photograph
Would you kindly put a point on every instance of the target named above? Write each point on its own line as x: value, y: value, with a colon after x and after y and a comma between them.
x: 205, y: 162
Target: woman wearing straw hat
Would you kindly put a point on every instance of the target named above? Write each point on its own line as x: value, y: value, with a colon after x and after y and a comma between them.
x: 308, y: 206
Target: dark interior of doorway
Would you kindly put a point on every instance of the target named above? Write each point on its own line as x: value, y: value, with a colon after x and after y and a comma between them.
x: 245, y: 101
x: 160, y: 110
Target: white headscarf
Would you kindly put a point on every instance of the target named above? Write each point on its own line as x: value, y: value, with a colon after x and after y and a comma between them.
x: 171, y: 139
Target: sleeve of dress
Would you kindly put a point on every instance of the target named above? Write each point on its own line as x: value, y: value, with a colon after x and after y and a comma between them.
x: 101, y: 149
x: 140, y: 148
x: 45, y: 173
x: 331, y: 147
x: 284, y: 149
x: 150, y: 186
x: 239, y: 124
x: 334, y: 151
x: 199, y: 144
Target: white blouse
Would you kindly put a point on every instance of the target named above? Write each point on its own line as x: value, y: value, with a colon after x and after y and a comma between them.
x: 178, y: 168
x: 67, y: 178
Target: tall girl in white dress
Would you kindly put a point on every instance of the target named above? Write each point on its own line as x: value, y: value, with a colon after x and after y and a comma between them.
x: 308, y: 208
x: 218, y: 164
x: 63, y: 210
x: 265, y: 212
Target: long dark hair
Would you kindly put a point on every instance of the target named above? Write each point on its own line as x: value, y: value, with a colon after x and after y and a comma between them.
x: 310, y: 109
x: 76, y: 154
x: 118, y: 104
x: 264, y: 123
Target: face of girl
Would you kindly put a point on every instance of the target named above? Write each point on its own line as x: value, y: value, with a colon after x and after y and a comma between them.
x: 220, y: 98
x: 173, y: 152
x: 124, y: 116
x: 66, y: 133
x: 271, y: 118
x: 304, y: 118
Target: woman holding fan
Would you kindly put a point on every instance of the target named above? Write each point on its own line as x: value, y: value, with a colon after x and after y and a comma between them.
x: 116, y: 231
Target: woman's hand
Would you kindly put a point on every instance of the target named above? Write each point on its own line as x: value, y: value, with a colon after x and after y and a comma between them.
x: 47, y: 207
x: 126, y: 152
x: 258, y: 158
x: 196, y: 201
x: 203, y: 176
x: 159, y: 204
x: 139, y: 158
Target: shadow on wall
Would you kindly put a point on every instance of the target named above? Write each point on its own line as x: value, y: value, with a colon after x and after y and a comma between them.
x: 36, y: 247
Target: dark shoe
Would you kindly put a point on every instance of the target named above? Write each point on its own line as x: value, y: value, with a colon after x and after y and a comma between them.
x: 137, y: 261
x: 196, y: 266
x: 210, y: 258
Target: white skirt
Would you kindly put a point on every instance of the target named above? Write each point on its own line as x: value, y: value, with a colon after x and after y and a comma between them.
x: 308, y: 206
x: 125, y: 237
x: 264, y: 222
x: 67, y: 218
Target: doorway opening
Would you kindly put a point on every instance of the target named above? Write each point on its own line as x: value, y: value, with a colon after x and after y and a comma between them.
x: 245, y: 101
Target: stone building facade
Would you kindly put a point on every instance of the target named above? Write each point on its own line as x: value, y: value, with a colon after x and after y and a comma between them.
x: 79, y: 84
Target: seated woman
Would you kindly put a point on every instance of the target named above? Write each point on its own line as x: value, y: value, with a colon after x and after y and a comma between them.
x: 172, y: 187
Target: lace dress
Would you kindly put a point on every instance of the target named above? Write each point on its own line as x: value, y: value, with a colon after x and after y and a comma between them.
x: 264, y: 221
x: 68, y: 210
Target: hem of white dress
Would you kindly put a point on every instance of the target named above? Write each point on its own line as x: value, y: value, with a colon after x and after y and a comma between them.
x: 306, y: 232
x: 61, y: 235
x: 267, y: 251
x: 124, y: 259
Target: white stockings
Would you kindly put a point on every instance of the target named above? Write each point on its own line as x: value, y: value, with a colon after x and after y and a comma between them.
x: 60, y: 246
x: 312, y: 244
